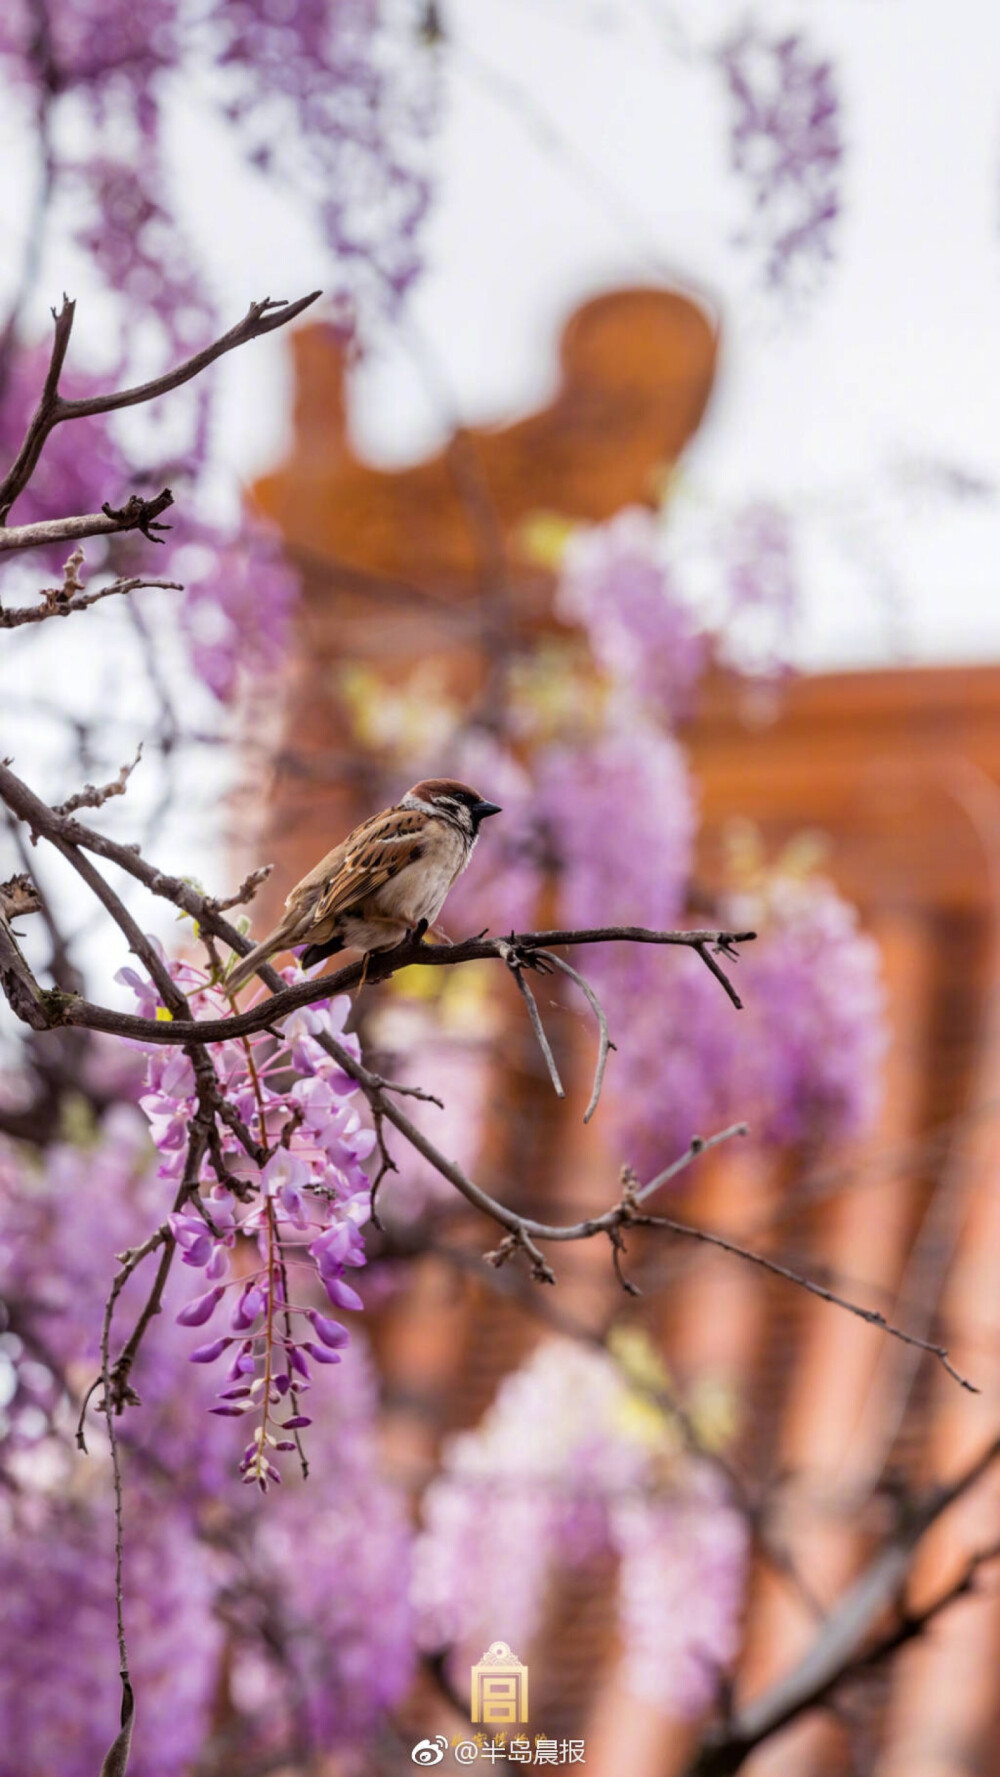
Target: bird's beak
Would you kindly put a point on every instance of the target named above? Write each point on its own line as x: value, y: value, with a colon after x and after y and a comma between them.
x: 480, y: 810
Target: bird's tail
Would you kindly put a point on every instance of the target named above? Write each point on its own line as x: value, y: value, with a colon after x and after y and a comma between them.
x: 280, y: 939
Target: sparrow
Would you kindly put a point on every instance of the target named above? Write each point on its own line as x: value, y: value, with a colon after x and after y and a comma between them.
x: 387, y: 878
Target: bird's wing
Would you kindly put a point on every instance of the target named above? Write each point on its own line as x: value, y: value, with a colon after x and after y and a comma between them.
x: 375, y: 852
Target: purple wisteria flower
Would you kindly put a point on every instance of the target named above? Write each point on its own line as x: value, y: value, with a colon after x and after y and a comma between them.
x: 815, y: 984
x: 298, y: 1202
x: 786, y: 143
x: 761, y: 601
x: 58, y: 1690
x: 240, y: 598
x: 333, y: 98
x: 289, y: 1618
x: 618, y: 814
x: 678, y: 1071
x: 681, y: 1582
x: 615, y: 582
x: 569, y: 1463
x: 801, y: 1063
x: 240, y: 594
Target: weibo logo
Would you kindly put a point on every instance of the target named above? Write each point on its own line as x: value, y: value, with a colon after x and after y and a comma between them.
x: 429, y: 1752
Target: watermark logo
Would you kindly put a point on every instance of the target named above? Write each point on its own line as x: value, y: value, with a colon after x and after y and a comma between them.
x: 498, y: 1697
x: 499, y: 1750
x: 499, y: 1688
x: 429, y: 1752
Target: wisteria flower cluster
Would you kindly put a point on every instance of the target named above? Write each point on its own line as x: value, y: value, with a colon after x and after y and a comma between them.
x: 331, y: 99
x: 616, y: 583
x: 223, y: 1610
x: 571, y: 1460
x: 619, y: 813
x: 815, y: 987
x: 760, y: 603
x: 786, y: 142
x: 602, y: 829
x: 802, y: 1061
x: 663, y: 595
x: 287, y: 1187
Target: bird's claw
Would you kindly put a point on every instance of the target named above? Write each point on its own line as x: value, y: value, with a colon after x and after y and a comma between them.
x: 518, y: 956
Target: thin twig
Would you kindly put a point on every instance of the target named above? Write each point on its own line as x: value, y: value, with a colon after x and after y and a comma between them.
x: 707, y: 949
x: 246, y: 891
x: 521, y: 1233
x: 129, y: 1262
x: 698, y: 1145
x: 283, y: 1000
x: 605, y: 1045
x: 95, y: 797
x: 409, y: 1091
x: 117, y: 1757
x: 386, y: 1164
x: 539, y: 1029
x: 871, y: 1315
x: 57, y: 605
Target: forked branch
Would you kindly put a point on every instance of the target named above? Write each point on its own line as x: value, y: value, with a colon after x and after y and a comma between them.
x: 53, y: 408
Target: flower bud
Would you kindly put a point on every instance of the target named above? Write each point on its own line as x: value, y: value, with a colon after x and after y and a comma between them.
x: 207, y: 1354
x: 199, y: 1309
x: 329, y: 1331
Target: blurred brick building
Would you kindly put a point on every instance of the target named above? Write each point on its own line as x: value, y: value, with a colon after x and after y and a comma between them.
x: 901, y: 771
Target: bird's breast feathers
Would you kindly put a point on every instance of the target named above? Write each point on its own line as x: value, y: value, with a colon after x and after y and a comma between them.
x: 419, y: 888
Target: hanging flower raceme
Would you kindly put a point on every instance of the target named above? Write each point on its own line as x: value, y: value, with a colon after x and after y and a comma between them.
x: 334, y: 101
x: 814, y: 983
x: 619, y: 815
x: 786, y: 143
x: 801, y: 1063
x: 224, y: 1615
x: 615, y: 582
x: 680, y: 1044
x: 287, y: 1180
x: 572, y: 1461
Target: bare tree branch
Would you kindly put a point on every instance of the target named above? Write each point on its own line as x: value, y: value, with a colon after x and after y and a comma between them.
x: 842, y: 1644
x: 261, y: 318
x: 61, y: 830
x: 521, y: 1233
x: 95, y: 797
x: 871, y: 1315
x: 18, y: 985
x: 605, y: 1045
x: 56, y: 605
x: 135, y: 515
x: 246, y: 891
x: 536, y: 1024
